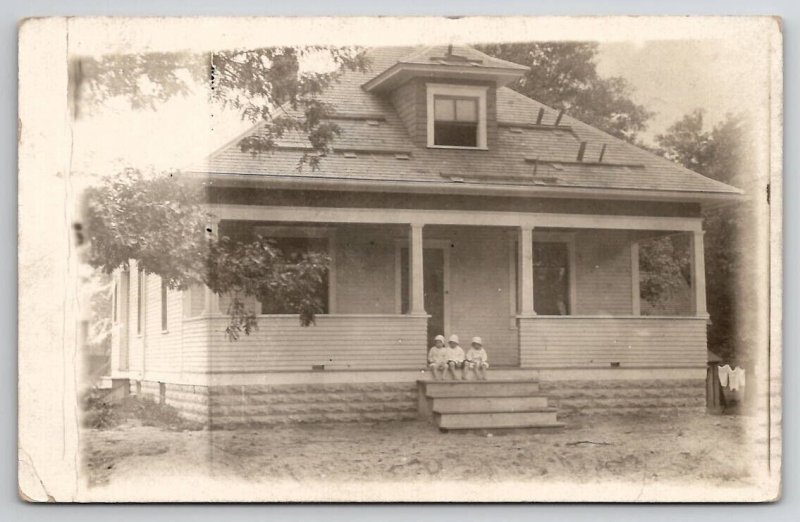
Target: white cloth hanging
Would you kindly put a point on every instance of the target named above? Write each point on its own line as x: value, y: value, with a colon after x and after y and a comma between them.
x: 724, y: 375
x: 737, y: 379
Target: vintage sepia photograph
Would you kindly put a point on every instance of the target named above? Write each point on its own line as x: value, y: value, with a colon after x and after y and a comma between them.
x: 400, y: 259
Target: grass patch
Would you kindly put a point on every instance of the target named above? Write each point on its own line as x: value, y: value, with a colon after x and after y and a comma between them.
x: 100, y: 413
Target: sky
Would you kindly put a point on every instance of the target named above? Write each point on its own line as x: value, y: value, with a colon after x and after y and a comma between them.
x: 668, y: 77
x: 672, y: 78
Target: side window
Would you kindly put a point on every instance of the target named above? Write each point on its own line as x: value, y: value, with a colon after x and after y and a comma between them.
x: 140, y: 291
x: 164, y: 323
x: 114, y: 303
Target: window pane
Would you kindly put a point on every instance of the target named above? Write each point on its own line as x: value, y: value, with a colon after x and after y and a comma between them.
x: 455, y: 134
x: 467, y: 109
x: 444, y: 109
x: 550, y: 278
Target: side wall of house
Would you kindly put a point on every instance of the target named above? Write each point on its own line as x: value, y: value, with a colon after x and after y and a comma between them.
x: 162, y: 347
x: 153, y: 350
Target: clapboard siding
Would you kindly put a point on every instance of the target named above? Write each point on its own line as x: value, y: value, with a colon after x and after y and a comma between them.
x: 339, y: 342
x: 603, y: 273
x: 134, y: 338
x: 599, y: 341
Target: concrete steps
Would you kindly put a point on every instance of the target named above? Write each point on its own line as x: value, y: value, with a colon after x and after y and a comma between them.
x: 491, y: 404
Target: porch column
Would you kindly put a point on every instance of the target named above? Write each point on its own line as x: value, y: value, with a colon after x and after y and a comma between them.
x: 210, y: 299
x: 416, y: 286
x: 699, y: 273
x: 525, y: 262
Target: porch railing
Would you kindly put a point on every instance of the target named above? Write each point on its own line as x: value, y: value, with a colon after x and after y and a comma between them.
x: 336, y: 342
x: 602, y: 341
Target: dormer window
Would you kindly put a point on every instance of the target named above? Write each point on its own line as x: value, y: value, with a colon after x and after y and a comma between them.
x: 456, y: 116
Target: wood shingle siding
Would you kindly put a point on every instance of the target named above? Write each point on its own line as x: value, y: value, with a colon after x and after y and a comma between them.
x: 409, y: 103
x: 563, y: 342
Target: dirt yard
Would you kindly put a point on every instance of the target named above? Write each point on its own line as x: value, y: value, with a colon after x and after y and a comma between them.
x: 645, y: 448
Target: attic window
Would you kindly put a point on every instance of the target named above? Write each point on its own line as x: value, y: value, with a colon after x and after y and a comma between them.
x: 456, y: 116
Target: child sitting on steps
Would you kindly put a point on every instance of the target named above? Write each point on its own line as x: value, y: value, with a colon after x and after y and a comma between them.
x: 455, y: 358
x: 437, y: 358
x: 477, y: 359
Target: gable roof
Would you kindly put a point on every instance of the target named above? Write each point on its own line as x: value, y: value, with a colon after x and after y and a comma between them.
x: 375, y: 149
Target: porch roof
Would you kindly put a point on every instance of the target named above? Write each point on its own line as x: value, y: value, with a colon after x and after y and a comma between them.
x: 375, y: 147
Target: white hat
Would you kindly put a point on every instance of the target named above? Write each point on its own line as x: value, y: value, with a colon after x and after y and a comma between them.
x: 453, y: 339
x: 477, y: 340
x: 439, y: 338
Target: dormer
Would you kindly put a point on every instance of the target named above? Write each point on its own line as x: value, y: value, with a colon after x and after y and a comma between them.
x: 447, y: 96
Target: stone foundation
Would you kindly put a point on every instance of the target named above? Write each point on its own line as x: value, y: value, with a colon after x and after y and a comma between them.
x: 263, y: 405
x: 254, y: 405
x: 624, y: 396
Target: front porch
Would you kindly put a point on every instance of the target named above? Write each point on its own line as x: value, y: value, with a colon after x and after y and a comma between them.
x: 561, y: 295
x: 555, y: 298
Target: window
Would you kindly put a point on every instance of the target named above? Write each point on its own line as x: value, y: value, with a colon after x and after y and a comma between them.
x: 114, y: 299
x: 457, y: 116
x: 455, y: 121
x: 140, y: 288
x: 294, y: 248
x: 551, y: 290
x: 164, y: 306
x: 553, y: 273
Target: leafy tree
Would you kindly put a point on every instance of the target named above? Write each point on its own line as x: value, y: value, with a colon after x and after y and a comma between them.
x: 265, y: 85
x: 564, y: 75
x: 721, y: 153
x: 160, y: 223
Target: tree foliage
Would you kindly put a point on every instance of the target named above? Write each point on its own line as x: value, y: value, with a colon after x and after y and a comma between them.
x: 266, y: 85
x: 721, y: 153
x: 161, y: 223
x: 564, y: 75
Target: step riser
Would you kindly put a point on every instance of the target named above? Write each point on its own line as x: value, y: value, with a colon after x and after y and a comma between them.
x: 497, y: 420
x: 495, y: 389
x: 488, y: 404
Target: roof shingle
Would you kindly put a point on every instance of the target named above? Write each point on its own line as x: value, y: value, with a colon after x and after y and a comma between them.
x: 384, y: 151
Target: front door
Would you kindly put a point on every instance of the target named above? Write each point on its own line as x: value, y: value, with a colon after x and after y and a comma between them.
x: 433, y: 269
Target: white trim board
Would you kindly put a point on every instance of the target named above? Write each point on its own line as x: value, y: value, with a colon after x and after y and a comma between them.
x: 440, y: 217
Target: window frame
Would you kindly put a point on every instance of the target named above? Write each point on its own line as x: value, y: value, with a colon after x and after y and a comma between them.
x: 457, y: 91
